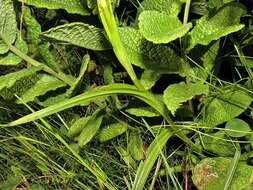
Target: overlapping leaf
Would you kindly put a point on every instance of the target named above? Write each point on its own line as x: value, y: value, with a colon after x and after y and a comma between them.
x: 159, y: 58
x: 80, y: 34
x: 176, y: 94
x: 225, y: 106
x: 171, y: 7
x: 212, y: 27
x: 8, y: 24
x: 158, y: 27
x: 72, y: 6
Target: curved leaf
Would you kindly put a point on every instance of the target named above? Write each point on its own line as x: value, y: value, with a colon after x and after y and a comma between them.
x: 159, y: 27
x: 71, y: 6
x: 237, y: 128
x: 80, y: 34
x: 145, y: 54
x: 8, y: 24
x: 224, y: 22
x: 78, y: 126
x: 45, y: 84
x: 111, y: 131
x: 176, y: 94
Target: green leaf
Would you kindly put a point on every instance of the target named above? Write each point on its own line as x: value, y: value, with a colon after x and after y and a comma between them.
x: 159, y: 27
x: 71, y: 6
x: 144, y: 54
x: 45, y: 84
x: 12, y: 59
x: 136, y: 146
x: 217, y: 143
x: 171, y: 7
x: 78, y: 126
x: 142, y: 111
x: 8, y: 24
x: 213, y: 27
x: 149, y: 78
x: 80, y: 34
x: 91, y: 128
x: 111, y: 131
x: 211, y: 174
x: 153, y: 152
x: 224, y: 106
x: 176, y: 94
x: 237, y: 128
x: 10, y: 79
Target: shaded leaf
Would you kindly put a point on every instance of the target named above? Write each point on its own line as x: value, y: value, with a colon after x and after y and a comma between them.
x: 159, y: 27
x: 11, y: 58
x: 149, y: 78
x: 91, y: 128
x: 212, y: 27
x: 145, y: 54
x: 111, y: 131
x: 71, y: 6
x: 78, y: 126
x: 8, y: 24
x: 176, y: 94
x: 45, y: 84
x: 9, y: 80
x: 79, y: 34
x: 211, y: 174
x: 237, y: 128
x: 224, y: 106
x: 136, y: 146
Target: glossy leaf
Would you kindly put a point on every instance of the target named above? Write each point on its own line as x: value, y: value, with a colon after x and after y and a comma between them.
x: 237, y: 128
x: 111, y: 131
x: 159, y: 27
x: 213, y: 27
x: 8, y: 24
x: 79, y: 34
x: 72, y: 6
x: 176, y: 94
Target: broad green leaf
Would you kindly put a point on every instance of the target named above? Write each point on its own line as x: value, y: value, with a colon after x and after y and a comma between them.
x: 8, y: 24
x: 8, y: 80
x: 136, y: 146
x: 12, y: 59
x: 142, y: 111
x: 145, y: 54
x: 78, y: 126
x: 237, y: 128
x: 211, y: 174
x: 160, y: 28
x: 80, y: 34
x: 217, y: 143
x: 153, y: 152
x: 71, y: 6
x: 213, y: 27
x: 217, y: 3
x: 111, y: 131
x: 149, y: 78
x: 45, y: 84
x: 224, y: 106
x: 91, y: 128
x: 171, y: 7
x: 176, y: 94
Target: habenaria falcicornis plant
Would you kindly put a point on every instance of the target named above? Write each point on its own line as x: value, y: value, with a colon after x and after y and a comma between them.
x: 107, y: 72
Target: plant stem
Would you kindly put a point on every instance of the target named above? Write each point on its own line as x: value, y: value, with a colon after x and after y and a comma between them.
x: 38, y: 64
x: 186, y: 11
